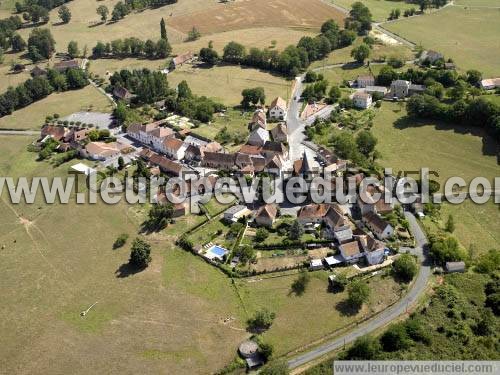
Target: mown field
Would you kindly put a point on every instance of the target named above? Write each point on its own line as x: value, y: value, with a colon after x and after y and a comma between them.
x: 33, y: 116
x: 469, y: 36
x: 380, y: 9
x: 450, y: 151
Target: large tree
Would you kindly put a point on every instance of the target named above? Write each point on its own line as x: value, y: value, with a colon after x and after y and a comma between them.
x: 359, y: 292
x: 64, y: 14
x: 163, y: 29
x: 140, y: 255
x: 361, y: 53
x: 41, y: 44
x: 405, y: 267
x: 103, y: 11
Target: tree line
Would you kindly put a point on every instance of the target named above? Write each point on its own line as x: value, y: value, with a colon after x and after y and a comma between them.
x: 292, y: 60
x: 133, y: 47
x: 38, y: 88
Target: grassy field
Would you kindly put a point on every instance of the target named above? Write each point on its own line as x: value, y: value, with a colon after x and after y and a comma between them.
x: 348, y: 72
x: 225, y: 83
x: 54, y: 266
x: 380, y: 9
x: 306, y: 318
x: 33, y: 116
x: 478, y: 3
x: 454, y: 151
x: 469, y: 36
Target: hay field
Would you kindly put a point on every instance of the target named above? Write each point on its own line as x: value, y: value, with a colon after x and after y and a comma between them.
x: 258, y: 13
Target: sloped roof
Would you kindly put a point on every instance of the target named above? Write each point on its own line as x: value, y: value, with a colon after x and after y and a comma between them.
x: 173, y: 143
x: 313, y: 211
x: 376, y: 221
x: 279, y: 102
x: 268, y: 210
x: 279, y: 130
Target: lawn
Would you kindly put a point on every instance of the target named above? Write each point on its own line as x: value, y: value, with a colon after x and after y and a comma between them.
x: 379, y: 9
x: 33, y: 116
x: 450, y: 151
x: 315, y: 314
x: 468, y: 36
x: 58, y: 260
x: 225, y: 83
x: 336, y: 76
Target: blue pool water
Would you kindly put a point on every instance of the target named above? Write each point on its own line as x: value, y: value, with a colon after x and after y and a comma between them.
x: 219, y: 251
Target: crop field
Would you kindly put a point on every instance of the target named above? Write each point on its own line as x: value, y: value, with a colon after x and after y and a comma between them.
x: 453, y: 151
x: 225, y: 83
x: 33, y: 116
x: 313, y: 315
x: 257, y: 13
x: 380, y: 9
x: 468, y: 36
x: 168, y: 318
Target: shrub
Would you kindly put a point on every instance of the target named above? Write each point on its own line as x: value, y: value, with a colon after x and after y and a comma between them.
x: 120, y: 241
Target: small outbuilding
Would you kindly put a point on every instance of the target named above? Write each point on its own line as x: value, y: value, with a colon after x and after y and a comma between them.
x: 453, y: 267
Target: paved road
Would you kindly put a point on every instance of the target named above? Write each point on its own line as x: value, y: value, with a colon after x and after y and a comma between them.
x: 386, y: 316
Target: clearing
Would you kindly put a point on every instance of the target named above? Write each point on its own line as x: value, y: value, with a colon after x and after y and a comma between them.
x: 33, y: 116
x: 468, y: 36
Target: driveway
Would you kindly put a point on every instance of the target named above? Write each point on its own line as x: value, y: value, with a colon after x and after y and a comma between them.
x: 386, y: 316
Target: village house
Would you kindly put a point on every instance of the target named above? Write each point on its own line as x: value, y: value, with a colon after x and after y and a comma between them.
x: 63, y: 66
x: 232, y: 214
x: 490, y: 83
x: 102, y: 151
x: 374, y: 250
x: 351, y: 251
x: 55, y: 132
x: 380, y: 90
x: 122, y: 93
x: 173, y: 148
x: 337, y: 225
x: 273, y: 165
x: 181, y: 59
x: 401, y: 89
x: 362, y: 100
x: 251, y: 150
x: 219, y: 160
x: 280, y: 133
x: 365, y: 80
x: 77, y: 135
x: 168, y: 166
x: 266, y: 215
x: 259, y: 120
x: 303, y: 167
x: 278, y: 109
x: 430, y: 57
x: 270, y: 149
x: 258, y: 137
x: 378, y: 226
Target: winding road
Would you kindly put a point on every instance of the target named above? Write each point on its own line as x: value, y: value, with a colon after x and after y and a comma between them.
x: 386, y: 316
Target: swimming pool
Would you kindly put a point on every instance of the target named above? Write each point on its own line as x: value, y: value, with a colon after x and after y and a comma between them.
x: 216, y: 252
